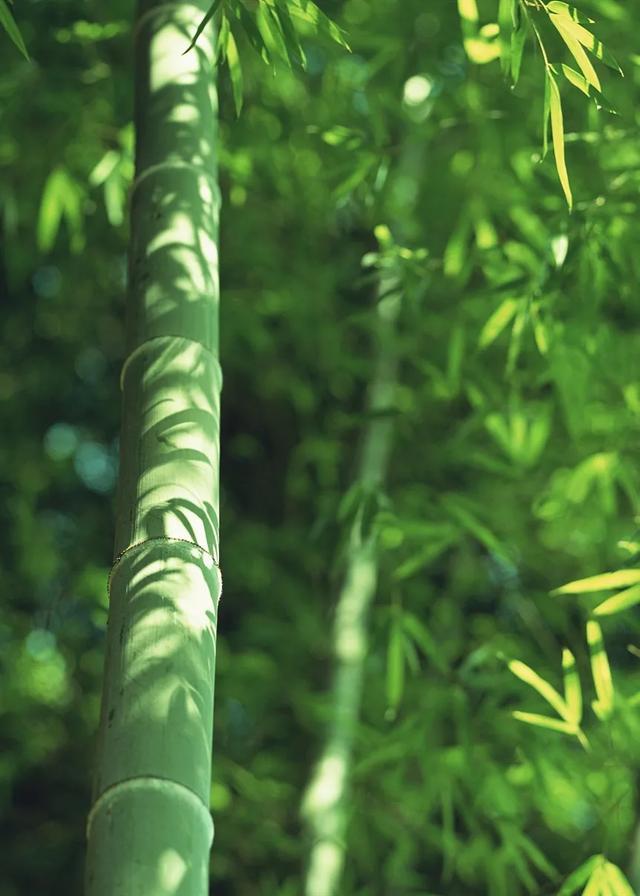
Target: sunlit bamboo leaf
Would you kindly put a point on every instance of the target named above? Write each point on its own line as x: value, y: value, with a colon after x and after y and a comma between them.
x: 545, y: 113
x: 308, y: 12
x: 557, y: 136
x: 497, y: 322
x: 533, y: 718
x: 203, y: 24
x: 560, y: 8
x: 572, y: 688
x: 575, y: 48
x: 9, y: 24
x: 575, y: 78
x: 600, y: 670
x: 618, y: 883
x: 580, y: 876
x: 526, y: 673
x: 588, y: 40
x: 607, y: 581
x: 619, y: 602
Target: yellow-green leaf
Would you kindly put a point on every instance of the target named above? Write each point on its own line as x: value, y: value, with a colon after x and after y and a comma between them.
x: 572, y: 689
x: 619, y: 602
x: 617, y: 882
x: 573, y: 77
x: 526, y: 673
x: 564, y: 29
x: 600, y: 670
x: 557, y: 137
x: 607, y: 581
x: 580, y: 876
x: 533, y: 718
x: 497, y: 322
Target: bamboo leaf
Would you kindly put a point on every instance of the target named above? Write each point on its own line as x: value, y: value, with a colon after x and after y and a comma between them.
x: 619, y: 602
x: 291, y: 38
x: 575, y: 48
x: 557, y: 136
x: 518, y: 41
x: 222, y: 38
x: 395, y: 665
x: 235, y: 71
x: 563, y: 9
x: 203, y: 24
x: 308, y: 12
x: 9, y: 24
x: 506, y: 29
x: 533, y: 718
x: 497, y: 322
x: 545, y: 114
x: 572, y: 689
x: 578, y: 80
x: 271, y: 33
x: 529, y: 676
x: 588, y: 40
x: 580, y: 876
x: 600, y: 670
x: 607, y: 581
x: 618, y: 883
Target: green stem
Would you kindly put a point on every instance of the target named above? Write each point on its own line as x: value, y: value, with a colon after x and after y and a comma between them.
x: 149, y: 830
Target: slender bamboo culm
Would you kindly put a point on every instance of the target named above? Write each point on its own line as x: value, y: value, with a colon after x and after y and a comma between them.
x: 325, y: 801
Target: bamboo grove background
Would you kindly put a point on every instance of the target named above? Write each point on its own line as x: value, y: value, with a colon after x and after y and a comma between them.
x: 396, y: 184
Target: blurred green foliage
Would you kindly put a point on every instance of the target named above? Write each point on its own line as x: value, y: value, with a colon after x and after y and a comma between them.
x: 515, y: 467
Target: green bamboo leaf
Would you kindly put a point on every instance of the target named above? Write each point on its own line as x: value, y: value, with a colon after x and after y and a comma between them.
x: 572, y: 689
x: 293, y: 43
x: 526, y: 673
x: 578, y: 80
x: 497, y: 322
x: 595, y: 886
x: 505, y: 24
x: 607, y: 581
x: 235, y: 71
x: 580, y: 876
x: 557, y: 136
x: 271, y: 33
x: 545, y: 113
x: 203, y: 24
x: 533, y: 718
x: 600, y: 670
x: 308, y: 12
x: 618, y: 883
x: 588, y: 40
x: 9, y: 24
x: 575, y: 48
x: 395, y: 664
x: 563, y: 9
x: 619, y: 602
x: 421, y: 635
x: 518, y: 41
x: 251, y: 30
x: 222, y: 39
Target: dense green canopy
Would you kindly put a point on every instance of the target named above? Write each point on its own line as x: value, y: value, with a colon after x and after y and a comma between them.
x: 407, y: 161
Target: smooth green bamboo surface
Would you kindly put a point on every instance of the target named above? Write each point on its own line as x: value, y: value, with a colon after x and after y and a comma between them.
x: 149, y: 830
